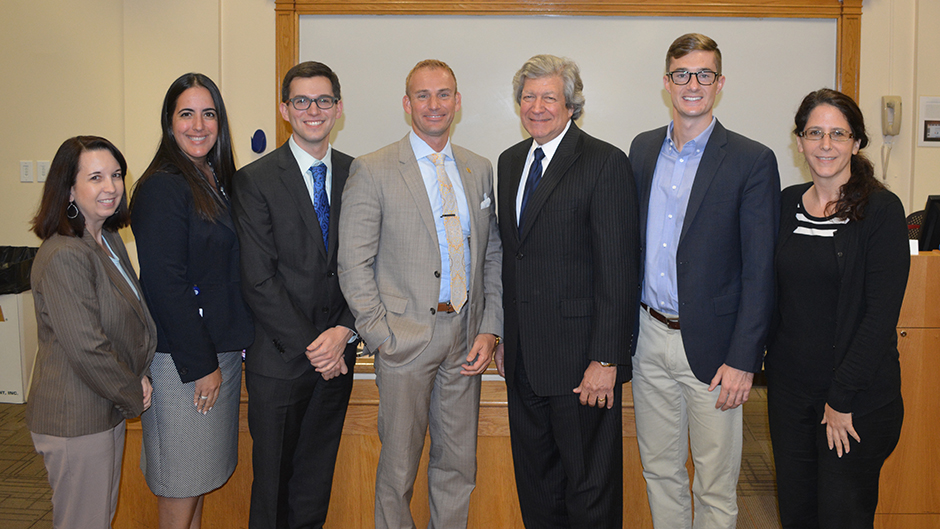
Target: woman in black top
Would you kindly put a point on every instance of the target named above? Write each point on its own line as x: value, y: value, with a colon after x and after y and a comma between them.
x: 834, y: 380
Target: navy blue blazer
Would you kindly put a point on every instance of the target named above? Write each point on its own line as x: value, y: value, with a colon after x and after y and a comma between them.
x: 179, y: 252
x: 724, y: 262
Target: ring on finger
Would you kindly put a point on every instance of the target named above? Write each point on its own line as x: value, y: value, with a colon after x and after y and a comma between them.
x: 203, y: 397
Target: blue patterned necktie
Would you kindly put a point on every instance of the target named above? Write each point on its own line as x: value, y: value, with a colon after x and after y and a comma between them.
x: 535, y: 174
x: 320, y: 203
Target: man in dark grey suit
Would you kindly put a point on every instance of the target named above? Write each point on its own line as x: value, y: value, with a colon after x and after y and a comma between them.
x: 568, y: 220
x: 709, y: 207
x: 299, y: 368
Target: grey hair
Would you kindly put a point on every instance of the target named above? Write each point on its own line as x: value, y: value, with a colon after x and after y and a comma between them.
x: 547, y: 66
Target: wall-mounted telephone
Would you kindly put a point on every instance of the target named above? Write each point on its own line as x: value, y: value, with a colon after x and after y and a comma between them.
x: 891, y: 115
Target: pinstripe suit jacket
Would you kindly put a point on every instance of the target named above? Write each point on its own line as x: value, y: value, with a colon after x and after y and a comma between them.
x: 390, y: 258
x: 96, y: 339
x: 569, y: 276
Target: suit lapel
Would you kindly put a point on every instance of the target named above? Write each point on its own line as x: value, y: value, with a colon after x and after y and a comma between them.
x: 293, y: 180
x: 648, y: 159
x: 411, y: 175
x: 568, y: 151
x: 115, y: 275
x: 340, y: 172
x: 516, y: 166
x: 707, y: 169
x: 471, y: 188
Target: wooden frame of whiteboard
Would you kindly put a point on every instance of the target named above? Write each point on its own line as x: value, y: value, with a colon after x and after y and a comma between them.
x: 847, y: 13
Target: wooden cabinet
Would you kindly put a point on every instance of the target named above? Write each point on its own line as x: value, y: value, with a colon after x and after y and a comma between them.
x: 909, y: 496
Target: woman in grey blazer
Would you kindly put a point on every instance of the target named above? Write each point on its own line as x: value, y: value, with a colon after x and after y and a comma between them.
x: 96, y: 336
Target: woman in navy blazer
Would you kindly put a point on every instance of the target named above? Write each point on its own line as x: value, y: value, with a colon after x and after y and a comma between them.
x: 189, y: 270
x: 833, y: 375
x: 96, y: 337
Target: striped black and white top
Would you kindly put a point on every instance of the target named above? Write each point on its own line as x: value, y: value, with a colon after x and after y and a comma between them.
x: 806, y: 224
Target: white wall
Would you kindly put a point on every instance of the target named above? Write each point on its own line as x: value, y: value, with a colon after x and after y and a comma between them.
x: 102, y: 67
x: 62, y: 65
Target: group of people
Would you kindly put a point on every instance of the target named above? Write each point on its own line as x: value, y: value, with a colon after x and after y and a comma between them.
x: 677, y: 267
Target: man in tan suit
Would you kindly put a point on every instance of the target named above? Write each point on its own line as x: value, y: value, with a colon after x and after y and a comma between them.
x: 419, y: 264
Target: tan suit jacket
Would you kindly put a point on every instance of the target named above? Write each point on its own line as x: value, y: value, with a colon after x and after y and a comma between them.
x: 389, y: 255
x: 96, y: 339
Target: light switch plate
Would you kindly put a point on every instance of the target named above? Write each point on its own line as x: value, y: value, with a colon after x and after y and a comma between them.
x: 27, y: 169
x: 42, y: 167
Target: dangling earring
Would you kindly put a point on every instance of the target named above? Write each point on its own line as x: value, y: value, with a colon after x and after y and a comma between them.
x: 71, y: 211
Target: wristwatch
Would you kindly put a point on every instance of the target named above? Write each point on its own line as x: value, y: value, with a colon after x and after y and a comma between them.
x: 607, y: 364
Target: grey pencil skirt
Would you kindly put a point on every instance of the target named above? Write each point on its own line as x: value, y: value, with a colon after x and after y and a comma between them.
x: 186, y: 453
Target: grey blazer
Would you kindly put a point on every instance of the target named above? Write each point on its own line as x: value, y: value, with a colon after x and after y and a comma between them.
x: 96, y: 339
x: 390, y: 259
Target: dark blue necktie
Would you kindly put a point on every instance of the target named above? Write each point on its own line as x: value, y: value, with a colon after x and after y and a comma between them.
x: 320, y: 203
x: 535, y: 174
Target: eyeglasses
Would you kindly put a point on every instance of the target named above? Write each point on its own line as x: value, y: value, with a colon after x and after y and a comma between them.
x: 836, y: 135
x: 682, y: 77
x: 304, y: 102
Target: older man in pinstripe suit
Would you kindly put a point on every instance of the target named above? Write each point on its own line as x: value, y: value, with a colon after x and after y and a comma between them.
x: 568, y: 220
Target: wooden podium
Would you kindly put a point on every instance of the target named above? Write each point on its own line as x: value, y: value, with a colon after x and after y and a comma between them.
x: 493, y: 503
x: 910, y: 497
x: 910, y: 480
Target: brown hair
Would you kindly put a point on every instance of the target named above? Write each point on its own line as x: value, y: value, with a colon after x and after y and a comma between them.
x: 52, y: 217
x: 432, y: 64
x: 690, y: 42
x: 862, y: 182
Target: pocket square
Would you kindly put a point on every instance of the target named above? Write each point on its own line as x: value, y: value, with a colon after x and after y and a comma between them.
x: 486, y: 202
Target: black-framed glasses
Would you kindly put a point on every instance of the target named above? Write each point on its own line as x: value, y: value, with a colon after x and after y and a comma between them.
x: 836, y: 135
x: 682, y: 77
x: 304, y: 102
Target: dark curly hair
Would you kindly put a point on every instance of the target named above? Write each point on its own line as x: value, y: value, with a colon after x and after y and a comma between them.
x: 862, y: 182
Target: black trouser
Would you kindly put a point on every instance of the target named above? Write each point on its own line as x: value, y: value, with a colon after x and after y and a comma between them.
x: 295, y: 428
x: 568, y: 458
x: 816, y: 488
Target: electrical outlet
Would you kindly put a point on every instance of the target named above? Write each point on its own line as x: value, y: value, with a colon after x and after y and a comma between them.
x: 43, y: 170
x: 27, y: 169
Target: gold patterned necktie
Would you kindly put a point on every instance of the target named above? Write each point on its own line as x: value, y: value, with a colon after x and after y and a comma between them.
x: 451, y: 218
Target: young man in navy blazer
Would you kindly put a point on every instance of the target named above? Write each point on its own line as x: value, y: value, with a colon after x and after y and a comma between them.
x: 709, y: 208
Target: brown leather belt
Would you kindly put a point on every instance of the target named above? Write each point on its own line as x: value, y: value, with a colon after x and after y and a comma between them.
x: 445, y: 307
x: 672, y: 323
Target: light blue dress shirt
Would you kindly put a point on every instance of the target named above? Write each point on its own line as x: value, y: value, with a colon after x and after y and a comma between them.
x: 429, y: 174
x: 669, y: 199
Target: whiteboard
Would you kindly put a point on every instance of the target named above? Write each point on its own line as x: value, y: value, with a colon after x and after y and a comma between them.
x: 770, y: 65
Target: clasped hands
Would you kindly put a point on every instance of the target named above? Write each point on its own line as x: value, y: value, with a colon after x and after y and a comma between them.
x: 325, y: 353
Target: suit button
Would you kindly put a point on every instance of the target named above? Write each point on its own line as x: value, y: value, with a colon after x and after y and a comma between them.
x: 437, y: 274
x: 325, y: 310
x: 433, y: 311
x: 330, y: 273
x: 519, y: 255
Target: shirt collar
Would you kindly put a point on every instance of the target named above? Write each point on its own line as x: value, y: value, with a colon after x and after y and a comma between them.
x: 549, y: 148
x: 305, y: 160
x: 697, y: 142
x: 423, y: 150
